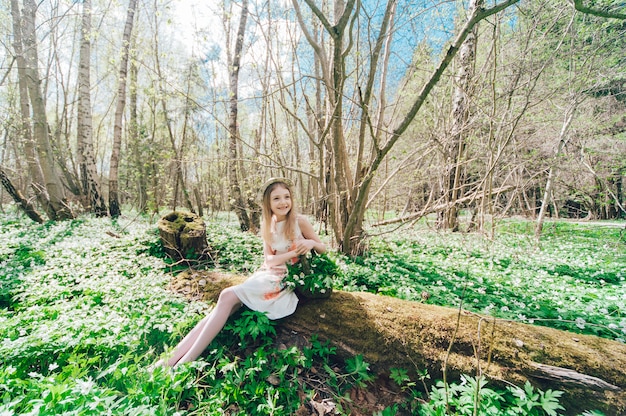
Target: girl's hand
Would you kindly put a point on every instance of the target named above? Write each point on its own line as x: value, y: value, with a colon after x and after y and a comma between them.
x: 311, y: 240
x: 304, y: 246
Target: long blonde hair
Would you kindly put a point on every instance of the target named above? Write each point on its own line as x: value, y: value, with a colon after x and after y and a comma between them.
x: 269, y: 221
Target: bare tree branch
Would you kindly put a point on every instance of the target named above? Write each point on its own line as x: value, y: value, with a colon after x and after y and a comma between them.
x: 578, y: 5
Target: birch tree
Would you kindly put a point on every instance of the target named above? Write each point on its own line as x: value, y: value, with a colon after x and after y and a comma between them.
x: 25, y: 130
x: 135, y: 136
x: 553, y: 170
x: 114, y: 203
x: 455, y: 151
x: 57, y: 207
x: 85, y: 150
x: 28, y: 208
x: 237, y: 201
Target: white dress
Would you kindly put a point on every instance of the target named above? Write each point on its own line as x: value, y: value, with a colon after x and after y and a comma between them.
x: 264, y: 290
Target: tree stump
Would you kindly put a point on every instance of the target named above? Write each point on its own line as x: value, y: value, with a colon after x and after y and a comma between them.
x: 183, y: 235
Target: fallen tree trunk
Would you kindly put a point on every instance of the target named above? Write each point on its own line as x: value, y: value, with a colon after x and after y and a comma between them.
x: 390, y: 332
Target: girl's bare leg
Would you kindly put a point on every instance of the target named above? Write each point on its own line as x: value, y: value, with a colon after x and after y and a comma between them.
x: 207, y: 328
x: 184, y: 345
x: 227, y: 303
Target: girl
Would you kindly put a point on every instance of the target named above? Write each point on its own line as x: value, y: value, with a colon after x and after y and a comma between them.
x: 286, y: 235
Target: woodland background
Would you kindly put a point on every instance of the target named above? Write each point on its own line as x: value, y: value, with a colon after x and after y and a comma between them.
x: 379, y: 111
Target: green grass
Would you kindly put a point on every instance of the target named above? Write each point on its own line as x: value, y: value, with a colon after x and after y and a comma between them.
x: 575, y: 280
x: 82, y: 314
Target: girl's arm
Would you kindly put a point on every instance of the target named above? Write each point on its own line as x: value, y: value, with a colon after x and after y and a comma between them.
x: 311, y: 240
x: 272, y: 259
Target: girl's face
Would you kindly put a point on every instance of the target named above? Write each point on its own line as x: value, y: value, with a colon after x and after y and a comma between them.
x: 280, y: 202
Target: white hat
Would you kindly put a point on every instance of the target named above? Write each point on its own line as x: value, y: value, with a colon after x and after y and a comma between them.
x: 272, y: 181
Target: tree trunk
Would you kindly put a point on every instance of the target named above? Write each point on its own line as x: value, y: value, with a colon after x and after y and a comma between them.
x: 17, y: 196
x: 563, y: 138
x: 114, y: 201
x: 394, y: 333
x: 199, y: 202
x: 619, y: 195
x: 339, y: 175
x: 238, y: 203
x: 455, y: 153
x: 57, y: 208
x: 86, y: 157
x: 34, y: 168
x: 134, y: 133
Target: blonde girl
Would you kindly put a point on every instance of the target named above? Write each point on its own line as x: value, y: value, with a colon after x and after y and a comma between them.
x: 286, y: 235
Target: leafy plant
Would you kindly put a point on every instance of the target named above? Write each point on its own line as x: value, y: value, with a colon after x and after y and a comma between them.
x: 359, y: 370
x: 472, y: 396
x: 312, y: 275
x: 528, y: 401
x: 84, y: 317
x: 250, y: 325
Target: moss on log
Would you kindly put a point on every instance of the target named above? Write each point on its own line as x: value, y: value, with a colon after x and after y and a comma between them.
x: 390, y: 332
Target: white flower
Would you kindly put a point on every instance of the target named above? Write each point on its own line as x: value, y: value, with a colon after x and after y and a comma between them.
x: 85, y: 386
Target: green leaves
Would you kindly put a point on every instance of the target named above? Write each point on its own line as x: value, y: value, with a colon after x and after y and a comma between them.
x: 314, y: 275
x: 359, y: 370
x: 473, y: 397
x: 528, y: 401
x: 86, y: 315
x: 251, y: 324
x: 577, y: 275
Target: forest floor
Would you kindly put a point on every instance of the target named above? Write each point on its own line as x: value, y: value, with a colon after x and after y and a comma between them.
x: 594, y: 223
x: 391, y: 319
x: 85, y: 309
x: 379, y: 394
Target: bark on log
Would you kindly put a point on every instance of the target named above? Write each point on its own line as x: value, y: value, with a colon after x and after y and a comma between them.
x: 183, y: 235
x: 390, y: 332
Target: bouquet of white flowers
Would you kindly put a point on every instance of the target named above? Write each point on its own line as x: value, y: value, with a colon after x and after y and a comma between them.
x: 312, y: 276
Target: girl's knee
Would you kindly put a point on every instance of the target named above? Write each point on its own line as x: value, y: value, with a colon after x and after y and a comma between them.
x: 229, y: 296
